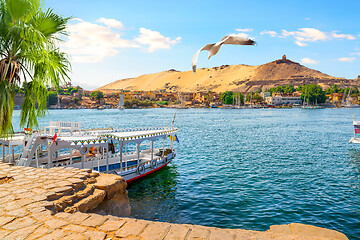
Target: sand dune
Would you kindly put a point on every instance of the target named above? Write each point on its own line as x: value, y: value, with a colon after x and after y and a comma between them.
x: 242, y: 78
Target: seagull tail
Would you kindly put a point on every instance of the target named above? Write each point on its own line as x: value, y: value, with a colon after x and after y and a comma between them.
x: 194, y: 68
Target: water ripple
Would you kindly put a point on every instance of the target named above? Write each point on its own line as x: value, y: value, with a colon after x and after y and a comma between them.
x: 247, y: 168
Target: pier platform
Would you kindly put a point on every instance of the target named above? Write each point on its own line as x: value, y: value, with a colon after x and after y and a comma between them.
x: 55, y: 203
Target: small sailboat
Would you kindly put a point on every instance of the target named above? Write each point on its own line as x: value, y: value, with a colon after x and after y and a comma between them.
x: 121, y: 101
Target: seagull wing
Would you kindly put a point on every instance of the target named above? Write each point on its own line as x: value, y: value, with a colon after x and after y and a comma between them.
x: 237, y: 40
x: 196, y: 55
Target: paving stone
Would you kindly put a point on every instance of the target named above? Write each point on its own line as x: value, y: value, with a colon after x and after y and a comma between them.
x: 66, y: 189
x: 56, y: 223
x: 11, y: 205
x: 74, y: 236
x: 22, y: 233
x: 19, y: 223
x: 155, y: 231
x: 21, y: 212
x: 75, y: 180
x: 39, y: 198
x: 63, y: 215
x: 4, y: 193
x: 42, y: 216
x: 132, y: 227
x: 5, y: 220
x: 222, y: 234
x: 75, y: 228
x: 54, y: 235
x: 37, y: 209
x: 39, y: 191
x: 8, y: 199
x: 24, y: 201
x: 39, y: 232
x: 3, y: 233
x: 78, y: 217
x: 250, y: 235
x: 111, y: 225
x: 94, y: 220
x: 95, y: 235
x: 198, y: 232
x: 178, y: 231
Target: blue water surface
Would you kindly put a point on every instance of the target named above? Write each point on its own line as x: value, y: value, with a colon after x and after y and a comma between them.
x: 246, y: 168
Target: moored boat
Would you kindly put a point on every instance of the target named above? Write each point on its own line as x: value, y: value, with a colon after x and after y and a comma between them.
x: 130, y: 153
x: 356, y: 125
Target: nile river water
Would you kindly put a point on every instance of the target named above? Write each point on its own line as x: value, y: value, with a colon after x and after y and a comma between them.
x: 246, y: 168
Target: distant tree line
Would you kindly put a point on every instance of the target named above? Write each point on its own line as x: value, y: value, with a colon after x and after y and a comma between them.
x: 310, y: 93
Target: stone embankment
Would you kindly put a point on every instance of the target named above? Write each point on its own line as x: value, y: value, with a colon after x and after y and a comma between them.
x: 54, y: 204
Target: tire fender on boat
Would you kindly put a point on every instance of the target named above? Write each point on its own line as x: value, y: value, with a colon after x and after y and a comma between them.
x: 154, y: 163
x: 113, y: 172
x: 83, y: 150
x: 141, y: 169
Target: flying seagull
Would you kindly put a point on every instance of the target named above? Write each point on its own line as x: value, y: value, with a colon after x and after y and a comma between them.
x: 213, y: 48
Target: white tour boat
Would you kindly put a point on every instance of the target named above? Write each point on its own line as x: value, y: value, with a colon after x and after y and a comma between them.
x: 356, y: 125
x: 130, y: 153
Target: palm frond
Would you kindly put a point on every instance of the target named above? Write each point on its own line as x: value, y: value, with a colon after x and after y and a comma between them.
x: 28, y: 37
x: 7, y: 95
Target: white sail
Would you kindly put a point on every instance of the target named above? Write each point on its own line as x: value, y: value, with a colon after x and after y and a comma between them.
x: 121, y: 101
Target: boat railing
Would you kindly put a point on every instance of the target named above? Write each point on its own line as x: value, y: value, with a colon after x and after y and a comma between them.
x: 59, y: 126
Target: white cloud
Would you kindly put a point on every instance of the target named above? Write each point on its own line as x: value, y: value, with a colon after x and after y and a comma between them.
x: 308, y: 61
x: 346, y: 59
x: 357, y: 53
x: 244, y: 29
x: 111, y: 23
x: 244, y: 35
x: 271, y: 33
x: 155, y: 40
x: 92, y: 42
x: 343, y: 36
x: 306, y: 35
x: 89, y: 42
x: 300, y: 44
x: 307, y: 19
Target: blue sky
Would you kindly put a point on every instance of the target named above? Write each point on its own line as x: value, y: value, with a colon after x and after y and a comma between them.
x: 109, y: 40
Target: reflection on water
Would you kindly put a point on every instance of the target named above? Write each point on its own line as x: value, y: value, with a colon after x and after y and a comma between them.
x: 355, y: 159
x: 154, y: 197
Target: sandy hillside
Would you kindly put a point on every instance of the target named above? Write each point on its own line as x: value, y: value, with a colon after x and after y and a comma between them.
x: 241, y: 78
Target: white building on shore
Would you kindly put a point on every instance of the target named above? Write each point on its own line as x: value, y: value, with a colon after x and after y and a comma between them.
x: 280, y: 100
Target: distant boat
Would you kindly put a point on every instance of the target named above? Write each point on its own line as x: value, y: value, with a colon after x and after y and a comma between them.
x: 121, y: 101
x: 348, y: 101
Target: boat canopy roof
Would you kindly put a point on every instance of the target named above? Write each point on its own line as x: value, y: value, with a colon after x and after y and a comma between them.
x: 13, y: 140
x: 140, y: 133
x: 95, y: 136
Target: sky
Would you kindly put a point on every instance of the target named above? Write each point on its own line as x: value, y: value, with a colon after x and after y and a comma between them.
x: 111, y: 39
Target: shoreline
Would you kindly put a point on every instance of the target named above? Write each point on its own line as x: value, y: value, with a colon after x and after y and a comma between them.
x: 41, y: 210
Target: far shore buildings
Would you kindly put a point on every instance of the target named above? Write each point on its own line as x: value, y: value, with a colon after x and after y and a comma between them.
x: 282, y: 99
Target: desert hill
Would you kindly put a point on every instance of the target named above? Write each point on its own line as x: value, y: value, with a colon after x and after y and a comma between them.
x: 240, y: 78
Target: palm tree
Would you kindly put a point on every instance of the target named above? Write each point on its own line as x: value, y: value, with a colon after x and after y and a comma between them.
x: 28, y: 53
